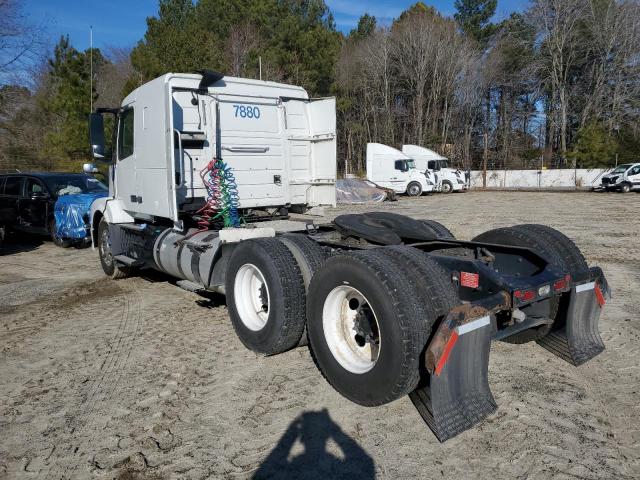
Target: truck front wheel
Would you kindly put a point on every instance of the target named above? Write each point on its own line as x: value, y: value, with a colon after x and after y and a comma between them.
x: 109, y: 266
x: 447, y: 186
x: 265, y: 296
x: 625, y: 188
x: 414, y: 189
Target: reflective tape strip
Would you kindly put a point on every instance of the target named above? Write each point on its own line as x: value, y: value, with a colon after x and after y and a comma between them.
x: 471, y: 326
x: 585, y: 286
x: 600, y: 296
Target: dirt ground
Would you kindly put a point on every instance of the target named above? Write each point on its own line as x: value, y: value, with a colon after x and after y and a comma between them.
x: 138, y: 379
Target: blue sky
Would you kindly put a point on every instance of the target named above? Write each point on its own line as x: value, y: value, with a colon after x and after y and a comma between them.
x: 122, y: 23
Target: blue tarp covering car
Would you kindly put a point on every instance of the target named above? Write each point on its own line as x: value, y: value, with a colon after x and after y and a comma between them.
x: 71, y: 213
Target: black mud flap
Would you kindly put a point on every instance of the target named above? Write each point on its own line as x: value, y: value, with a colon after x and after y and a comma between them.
x: 455, y: 394
x: 575, y: 336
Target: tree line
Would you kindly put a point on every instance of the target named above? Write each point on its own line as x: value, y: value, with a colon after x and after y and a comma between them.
x: 557, y: 84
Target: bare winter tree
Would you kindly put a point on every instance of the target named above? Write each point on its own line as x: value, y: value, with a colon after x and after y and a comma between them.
x: 20, y: 41
x: 112, y: 76
x: 558, y: 22
x: 243, y: 39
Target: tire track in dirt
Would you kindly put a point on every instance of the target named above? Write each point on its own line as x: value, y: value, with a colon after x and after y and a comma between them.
x: 103, y: 388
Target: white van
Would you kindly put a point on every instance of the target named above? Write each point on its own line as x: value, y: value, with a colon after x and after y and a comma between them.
x: 390, y: 168
x: 447, y: 179
x: 624, y: 178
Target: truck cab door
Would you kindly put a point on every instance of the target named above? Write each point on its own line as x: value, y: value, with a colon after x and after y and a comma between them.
x: 125, y: 177
x: 400, y: 176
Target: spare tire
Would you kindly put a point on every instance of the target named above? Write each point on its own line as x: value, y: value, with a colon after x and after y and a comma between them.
x: 551, y: 244
x: 369, y: 321
x: 439, y: 230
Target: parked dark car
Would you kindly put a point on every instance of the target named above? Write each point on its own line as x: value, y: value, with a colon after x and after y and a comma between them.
x: 27, y: 200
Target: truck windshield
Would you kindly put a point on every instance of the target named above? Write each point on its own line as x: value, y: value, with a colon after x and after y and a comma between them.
x: 411, y: 164
x: 622, y: 168
x: 71, y: 184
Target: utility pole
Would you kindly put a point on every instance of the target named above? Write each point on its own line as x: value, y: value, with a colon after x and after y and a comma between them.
x: 484, y: 161
x: 91, y: 68
x: 260, y: 66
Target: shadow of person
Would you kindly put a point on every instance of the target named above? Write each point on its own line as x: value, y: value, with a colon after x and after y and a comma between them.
x: 314, y: 430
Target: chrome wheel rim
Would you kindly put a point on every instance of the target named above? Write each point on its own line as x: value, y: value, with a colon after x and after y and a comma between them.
x: 105, y: 248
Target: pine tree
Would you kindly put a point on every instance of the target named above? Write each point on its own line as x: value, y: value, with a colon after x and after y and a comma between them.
x: 474, y: 18
x: 69, y: 101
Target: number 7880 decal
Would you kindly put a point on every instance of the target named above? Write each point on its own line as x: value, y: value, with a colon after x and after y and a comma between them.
x: 246, y: 111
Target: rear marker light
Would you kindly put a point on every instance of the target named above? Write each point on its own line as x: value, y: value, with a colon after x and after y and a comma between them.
x: 560, y: 284
x: 469, y: 280
x: 563, y: 283
x: 525, y: 296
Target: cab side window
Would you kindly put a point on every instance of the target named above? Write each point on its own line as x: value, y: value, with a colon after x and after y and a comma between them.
x: 125, y: 134
x: 401, y: 165
x: 635, y: 170
x: 34, y: 187
x: 13, y: 186
x: 431, y: 165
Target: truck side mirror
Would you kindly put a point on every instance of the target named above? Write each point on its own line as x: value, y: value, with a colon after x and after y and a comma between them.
x: 90, y: 168
x: 96, y: 135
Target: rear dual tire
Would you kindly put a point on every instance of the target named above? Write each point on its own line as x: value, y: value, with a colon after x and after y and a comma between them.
x: 370, y: 314
x: 266, y: 285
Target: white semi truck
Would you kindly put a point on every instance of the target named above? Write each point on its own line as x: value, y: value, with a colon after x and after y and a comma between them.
x: 201, y: 164
x: 390, y: 168
x: 448, y: 179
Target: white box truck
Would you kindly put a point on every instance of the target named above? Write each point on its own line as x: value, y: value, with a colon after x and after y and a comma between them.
x: 389, y: 305
x: 447, y: 179
x: 390, y: 168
